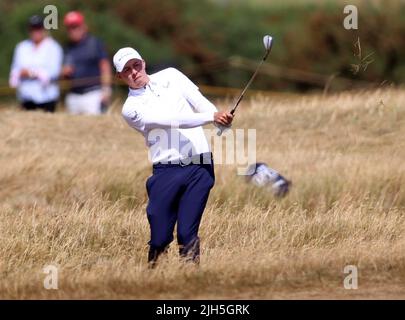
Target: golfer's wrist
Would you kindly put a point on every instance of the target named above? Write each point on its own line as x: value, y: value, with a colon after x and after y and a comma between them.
x: 216, y: 116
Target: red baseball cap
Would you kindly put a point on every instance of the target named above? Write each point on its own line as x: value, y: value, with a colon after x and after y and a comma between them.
x: 73, y: 18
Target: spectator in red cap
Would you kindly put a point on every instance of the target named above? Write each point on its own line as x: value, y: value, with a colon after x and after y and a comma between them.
x: 87, y: 65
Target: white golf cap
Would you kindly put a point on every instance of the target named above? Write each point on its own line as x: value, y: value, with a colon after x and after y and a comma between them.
x: 123, y: 55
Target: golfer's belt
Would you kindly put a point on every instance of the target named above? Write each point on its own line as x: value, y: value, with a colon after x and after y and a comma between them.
x: 202, y: 158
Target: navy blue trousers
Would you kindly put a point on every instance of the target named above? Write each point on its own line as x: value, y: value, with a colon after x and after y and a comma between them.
x: 177, y: 194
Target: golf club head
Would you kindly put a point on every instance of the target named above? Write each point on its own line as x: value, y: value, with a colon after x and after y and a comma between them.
x: 268, y: 42
x: 221, y: 129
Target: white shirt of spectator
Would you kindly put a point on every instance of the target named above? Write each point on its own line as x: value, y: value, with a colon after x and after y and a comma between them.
x: 45, y: 61
x: 169, y: 111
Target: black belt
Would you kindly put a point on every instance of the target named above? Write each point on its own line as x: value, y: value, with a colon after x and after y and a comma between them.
x: 202, y: 158
x: 86, y: 89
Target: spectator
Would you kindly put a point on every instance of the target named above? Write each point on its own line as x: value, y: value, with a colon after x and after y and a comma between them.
x: 87, y: 65
x: 35, y: 68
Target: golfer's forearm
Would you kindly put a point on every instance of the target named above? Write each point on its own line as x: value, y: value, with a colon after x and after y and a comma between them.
x: 182, y: 121
x: 199, y: 102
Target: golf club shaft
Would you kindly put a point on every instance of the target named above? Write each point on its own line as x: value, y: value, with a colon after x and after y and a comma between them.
x: 221, y: 128
x: 267, y: 40
x: 250, y: 82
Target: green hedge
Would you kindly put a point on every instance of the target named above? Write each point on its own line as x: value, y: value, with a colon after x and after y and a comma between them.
x: 196, y: 35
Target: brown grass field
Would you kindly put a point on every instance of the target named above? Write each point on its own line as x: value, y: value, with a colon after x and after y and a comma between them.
x: 72, y: 194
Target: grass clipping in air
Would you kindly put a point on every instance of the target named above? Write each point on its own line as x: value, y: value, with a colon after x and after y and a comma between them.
x: 72, y: 194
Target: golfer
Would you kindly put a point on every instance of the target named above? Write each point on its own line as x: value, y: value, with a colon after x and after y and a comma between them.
x: 169, y: 111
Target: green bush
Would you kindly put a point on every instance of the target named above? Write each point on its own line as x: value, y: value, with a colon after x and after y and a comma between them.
x: 200, y: 37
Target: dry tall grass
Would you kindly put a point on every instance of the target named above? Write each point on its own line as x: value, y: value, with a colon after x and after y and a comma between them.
x: 72, y: 194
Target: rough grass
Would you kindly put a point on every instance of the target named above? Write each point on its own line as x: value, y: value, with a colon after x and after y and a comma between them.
x: 72, y: 194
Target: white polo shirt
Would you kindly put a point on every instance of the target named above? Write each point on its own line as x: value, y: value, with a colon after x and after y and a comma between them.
x: 169, y: 111
x: 45, y: 61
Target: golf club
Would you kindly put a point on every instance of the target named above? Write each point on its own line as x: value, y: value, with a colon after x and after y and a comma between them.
x: 268, y: 42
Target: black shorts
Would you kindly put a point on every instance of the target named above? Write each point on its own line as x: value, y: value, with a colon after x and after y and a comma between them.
x: 47, y: 106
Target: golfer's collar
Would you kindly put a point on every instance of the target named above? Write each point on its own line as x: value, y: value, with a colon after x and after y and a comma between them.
x: 137, y: 92
x: 142, y: 90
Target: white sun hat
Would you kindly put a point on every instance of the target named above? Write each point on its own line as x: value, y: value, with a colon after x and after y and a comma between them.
x: 123, y: 55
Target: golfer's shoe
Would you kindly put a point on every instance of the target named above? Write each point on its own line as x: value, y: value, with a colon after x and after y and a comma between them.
x: 154, y: 254
x: 191, y: 251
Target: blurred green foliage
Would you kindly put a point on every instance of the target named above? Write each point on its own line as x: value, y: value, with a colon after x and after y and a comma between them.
x: 200, y: 36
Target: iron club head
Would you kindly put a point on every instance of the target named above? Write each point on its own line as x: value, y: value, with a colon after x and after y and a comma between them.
x: 267, y: 41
